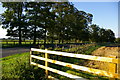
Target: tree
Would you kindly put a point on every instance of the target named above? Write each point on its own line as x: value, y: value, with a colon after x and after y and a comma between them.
x: 106, y: 35
x: 102, y: 35
x: 48, y: 18
x: 12, y: 19
x: 59, y: 10
x: 110, y: 35
x: 71, y: 23
x: 118, y: 40
x: 33, y: 17
x: 94, y: 30
x: 42, y: 20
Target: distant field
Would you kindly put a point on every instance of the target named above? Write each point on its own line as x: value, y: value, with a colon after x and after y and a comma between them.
x: 15, y: 43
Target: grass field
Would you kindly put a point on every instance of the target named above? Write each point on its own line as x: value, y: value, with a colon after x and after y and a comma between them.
x: 17, y: 66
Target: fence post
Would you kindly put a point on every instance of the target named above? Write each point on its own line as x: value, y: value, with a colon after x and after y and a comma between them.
x: 30, y: 42
x: 118, y: 69
x: 46, y: 64
x: 112, y: 67
x: 14, y: 42
x: 118, y: 65
x: 30, y: 56
x: 25, y: 42
x: 6, y: 42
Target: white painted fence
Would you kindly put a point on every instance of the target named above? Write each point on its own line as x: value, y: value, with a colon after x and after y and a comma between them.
x: 112, y: 75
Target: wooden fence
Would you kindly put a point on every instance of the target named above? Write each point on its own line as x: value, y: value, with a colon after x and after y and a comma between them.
x: 112, y: 74
x: 17, y: 42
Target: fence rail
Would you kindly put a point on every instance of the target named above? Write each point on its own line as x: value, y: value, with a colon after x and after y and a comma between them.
x: 17, y: 42
x: 110, y: 74
x: 14, y: 42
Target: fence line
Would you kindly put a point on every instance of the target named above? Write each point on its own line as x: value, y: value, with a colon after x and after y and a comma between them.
x: 13, y: 42
x: 17, y: 42
x: 112, y: 60
x: 109, y: 74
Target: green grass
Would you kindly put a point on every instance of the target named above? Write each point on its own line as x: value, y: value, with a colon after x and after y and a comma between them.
x: 17, y: 67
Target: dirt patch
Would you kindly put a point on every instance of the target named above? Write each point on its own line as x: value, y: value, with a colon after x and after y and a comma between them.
x: 112, y: 52
x: 107, y: 52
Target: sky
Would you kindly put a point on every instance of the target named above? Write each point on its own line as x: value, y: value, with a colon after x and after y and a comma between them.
x: 105, y: 14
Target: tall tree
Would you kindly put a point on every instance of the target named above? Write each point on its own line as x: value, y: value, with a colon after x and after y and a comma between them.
x: 102, y: 35
x: 94, y: 30
x: 12, y: 19
x: 110, y: 35
x: 47, y: 19
x: 59, y: 27
x: 34, y: 17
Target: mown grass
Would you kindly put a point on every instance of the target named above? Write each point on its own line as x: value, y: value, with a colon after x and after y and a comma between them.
x: 17, y: 67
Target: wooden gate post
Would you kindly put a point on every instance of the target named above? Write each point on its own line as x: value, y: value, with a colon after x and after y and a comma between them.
x: 25, y: 42
x: 13, y: 42
x: 118, y: 69
x: 112, y: 67
x: 46, y: 64
x: 118, y: 65
x: 6, y: 42
x: 30, y: 57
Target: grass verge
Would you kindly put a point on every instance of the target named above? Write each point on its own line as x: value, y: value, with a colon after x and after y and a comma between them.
x: 17, y: 67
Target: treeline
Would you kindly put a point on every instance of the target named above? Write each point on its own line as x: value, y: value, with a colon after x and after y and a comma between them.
x: 51, y: 21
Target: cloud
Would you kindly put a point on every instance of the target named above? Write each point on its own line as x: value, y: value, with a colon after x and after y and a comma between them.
x: 3, y: 32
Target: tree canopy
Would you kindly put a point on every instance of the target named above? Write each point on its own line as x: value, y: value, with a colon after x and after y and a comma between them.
x: 51, y: 21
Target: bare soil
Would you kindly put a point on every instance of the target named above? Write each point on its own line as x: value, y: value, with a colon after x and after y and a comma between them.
x: 107, y: 52
x: 112, y: 52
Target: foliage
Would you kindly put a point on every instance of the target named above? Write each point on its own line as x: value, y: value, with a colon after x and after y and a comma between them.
x: 118, y: 40
x: 13, y: 19
x: 51, y: 21
x: 98, y: 34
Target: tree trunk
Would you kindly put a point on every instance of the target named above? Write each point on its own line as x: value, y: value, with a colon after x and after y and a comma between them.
x: 52, y: 40
x: 59, y: 40
x: 20, y: 36
x: 62, y: 41
x: 45, y: 38
x: 34, y: 42
x: 20, y: 39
